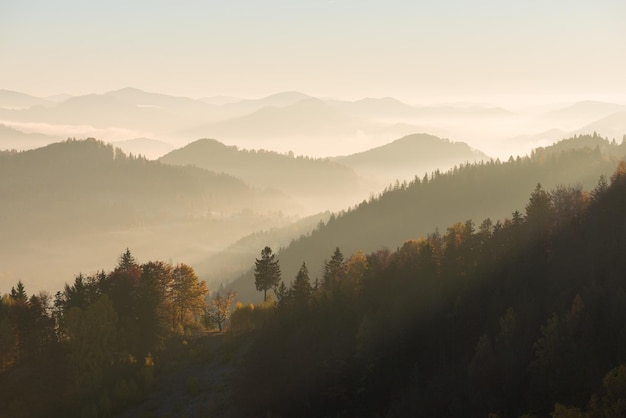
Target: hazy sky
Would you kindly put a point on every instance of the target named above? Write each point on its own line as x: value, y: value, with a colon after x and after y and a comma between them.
x: 418, y: 51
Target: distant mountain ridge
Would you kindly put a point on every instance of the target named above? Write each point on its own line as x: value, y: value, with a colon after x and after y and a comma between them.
x: 377, y: 108
x: 141, y: 98
x: 306, y: 116
x: 613, y: 126
x: 313, y: 181
x: 15, y: 100
x: 410, y: 156
x: 149, y: 148
x: 587, y: 109
x: 11, y: 138
x: 292, y: 120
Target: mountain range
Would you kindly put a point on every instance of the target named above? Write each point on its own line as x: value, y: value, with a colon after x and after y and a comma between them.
x: 322, y: 184
x: 299, y: 122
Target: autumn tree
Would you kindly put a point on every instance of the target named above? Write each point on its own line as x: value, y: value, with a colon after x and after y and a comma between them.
x: 186, y: 296
x: 219, y: 310
x: 613, y: 402
x: 356, y: 266
x: 266, y: 272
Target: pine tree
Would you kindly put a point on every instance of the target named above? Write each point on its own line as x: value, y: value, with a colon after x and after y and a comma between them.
x: 266, y: 272
x: 334, y: 270
x: 540, y: 210
x: 19, y: 294
x: 126, y: 260
x: 301, y: 289
x: 600, y: 188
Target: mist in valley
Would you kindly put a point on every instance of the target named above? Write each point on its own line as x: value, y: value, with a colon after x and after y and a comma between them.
x: 299, y: 156
x: 312, y: 209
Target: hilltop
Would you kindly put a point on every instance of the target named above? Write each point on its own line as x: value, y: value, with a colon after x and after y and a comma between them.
x: 411, y: 155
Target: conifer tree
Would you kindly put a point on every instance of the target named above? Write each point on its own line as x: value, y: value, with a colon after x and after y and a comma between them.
x: 19, y: 294
x: 126, y: 260
x: 335, y: 268
x: 266, y: 272
x: 301, y: 289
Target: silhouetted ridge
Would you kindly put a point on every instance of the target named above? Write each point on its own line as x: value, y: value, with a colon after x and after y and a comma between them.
x: 411, y: 155
x: 89, y: 184
x: 313, y: 181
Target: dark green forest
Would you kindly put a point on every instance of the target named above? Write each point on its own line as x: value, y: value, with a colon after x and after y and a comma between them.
x: 520, y: 315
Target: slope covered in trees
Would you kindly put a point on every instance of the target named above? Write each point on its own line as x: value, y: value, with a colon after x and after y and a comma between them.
x: 523, y: 317
x: 475, y: 191
x: 519, y: 317
x: 75, y: 201
x: 100, y: 186
x: 317, y: 183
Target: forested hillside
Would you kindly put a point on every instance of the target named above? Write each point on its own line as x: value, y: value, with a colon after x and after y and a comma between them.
x: 71, y: 204
x: 87, y: 185
x: 491, y: 189
x: 522, y: 315
x: 318, y: 184
x: 519, y: 317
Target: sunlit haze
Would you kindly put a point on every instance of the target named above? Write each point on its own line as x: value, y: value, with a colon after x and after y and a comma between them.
x: 416, y: 51
x: 312, y: 208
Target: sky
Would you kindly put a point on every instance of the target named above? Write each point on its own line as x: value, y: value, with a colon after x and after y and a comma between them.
x: 417, y: 51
